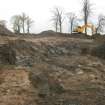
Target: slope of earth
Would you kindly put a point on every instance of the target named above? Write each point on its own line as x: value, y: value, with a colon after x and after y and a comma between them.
x: 32, y: 50
x: 15, y: 88
x: 59, y: 71
x: 78, y: 81
x: 4, y: 31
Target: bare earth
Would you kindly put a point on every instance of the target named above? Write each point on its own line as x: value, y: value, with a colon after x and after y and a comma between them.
x: 52, y: 71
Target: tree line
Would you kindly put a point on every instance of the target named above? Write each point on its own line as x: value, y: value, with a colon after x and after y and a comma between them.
x: 22, y: 23
x: 58, y: 18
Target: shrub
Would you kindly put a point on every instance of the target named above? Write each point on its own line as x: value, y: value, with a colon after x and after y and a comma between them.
x: 99, y: 51
x: 7, y: 54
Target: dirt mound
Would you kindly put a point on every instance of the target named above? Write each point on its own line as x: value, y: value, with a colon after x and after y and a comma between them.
x: 49, y: 32
x: 5, y: 31
x: 28, y: 51
x: 41, y: 49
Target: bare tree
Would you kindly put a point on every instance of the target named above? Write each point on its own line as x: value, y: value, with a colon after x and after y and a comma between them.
x: 16, y: 22
x: 71, y: 16
x: 21, y: 23
x: 58, y: 19
x: 29, y: 23
x: 23, y: 20
x: 86, y: 12
x: 55, y: 21
x: 101, y: 24
x: 56, y: 24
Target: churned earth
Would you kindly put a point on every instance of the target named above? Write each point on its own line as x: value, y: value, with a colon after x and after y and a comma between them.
x: 51, y: 70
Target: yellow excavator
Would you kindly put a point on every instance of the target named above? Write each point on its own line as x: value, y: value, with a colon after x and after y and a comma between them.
x: 80, y: 29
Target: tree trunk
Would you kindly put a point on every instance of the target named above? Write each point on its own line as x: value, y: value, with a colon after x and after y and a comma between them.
x: 71, y: 27
x: 23, y: 27
x: 85, y: 31
x: 18, y: 29
x: 56, y: 27
x: 60, y: 28
x: 28, y: 29
x: 85, y: 25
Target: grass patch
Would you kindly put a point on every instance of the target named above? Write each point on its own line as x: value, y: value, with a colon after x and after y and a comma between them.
x: 7, y: 67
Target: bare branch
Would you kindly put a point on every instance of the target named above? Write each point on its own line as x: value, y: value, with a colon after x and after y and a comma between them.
x: 71, y: 16
x: 101, y: 24
x: 57, y: 18
x: 23, y: 20
x: 29, y: 23
x: 16, y: 21
x: 86, y: 12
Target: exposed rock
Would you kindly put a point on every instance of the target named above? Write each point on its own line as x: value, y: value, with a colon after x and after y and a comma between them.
x: 45, y: 84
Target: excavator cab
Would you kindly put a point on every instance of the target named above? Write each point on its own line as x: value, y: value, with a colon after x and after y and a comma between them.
x: 80, y: 29
x: 79, y: 26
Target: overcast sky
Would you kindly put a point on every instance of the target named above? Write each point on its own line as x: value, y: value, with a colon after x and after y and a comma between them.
x: 40, y: 10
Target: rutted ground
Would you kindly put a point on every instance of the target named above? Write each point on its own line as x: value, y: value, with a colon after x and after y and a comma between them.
x: 51, y: 71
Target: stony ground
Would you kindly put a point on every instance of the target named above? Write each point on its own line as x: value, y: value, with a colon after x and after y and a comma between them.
x: 50, y: 71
